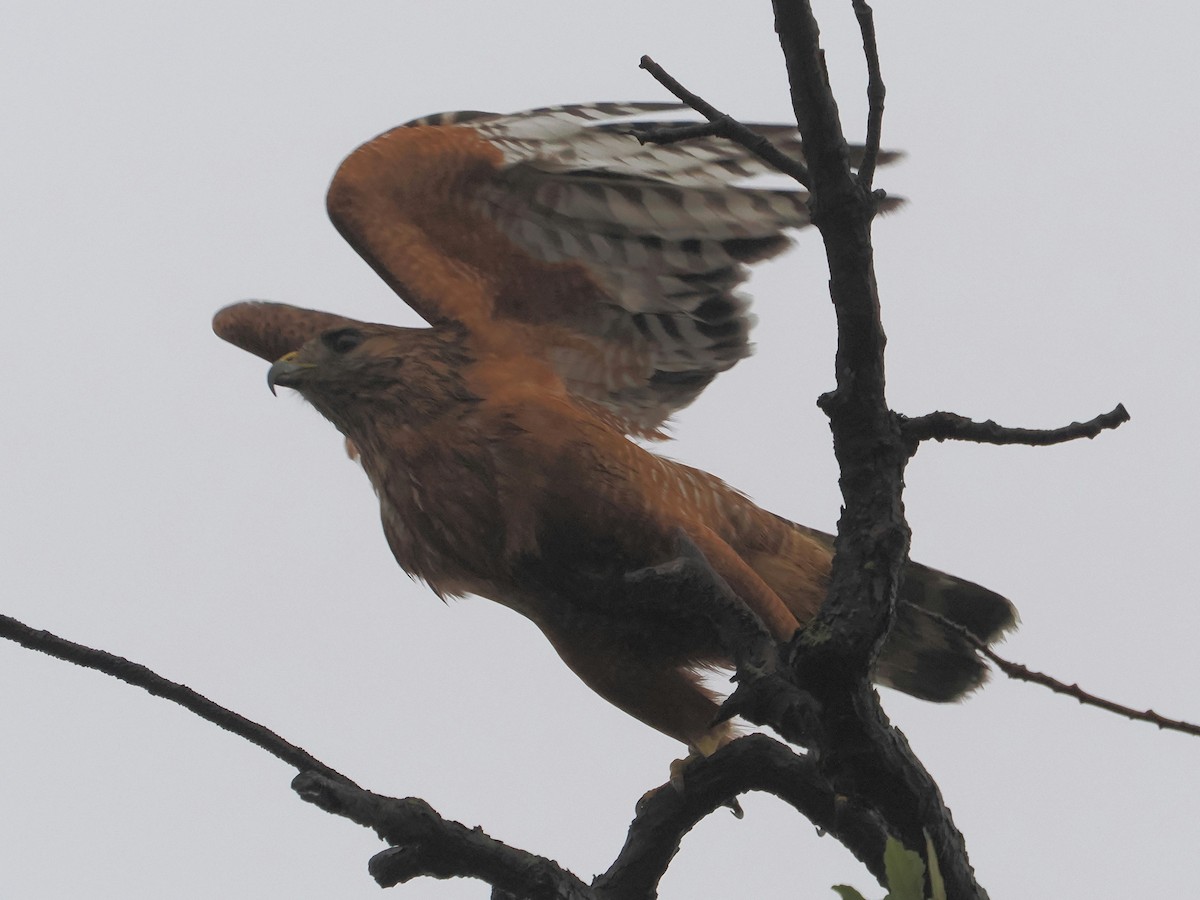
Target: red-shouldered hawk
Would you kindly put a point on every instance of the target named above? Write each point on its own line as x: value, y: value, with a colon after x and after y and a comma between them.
x: 581, y: 287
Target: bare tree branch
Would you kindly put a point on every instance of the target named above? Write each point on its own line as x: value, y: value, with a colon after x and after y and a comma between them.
x: 140, y: 676
x: 425, y: 844
x: 688, y: 586
x: 875, y: 95
x: 1020, y: 672
x: 752, y: 763
x: 721, y: 125
x: 865, y: 756
x: 944, y: 426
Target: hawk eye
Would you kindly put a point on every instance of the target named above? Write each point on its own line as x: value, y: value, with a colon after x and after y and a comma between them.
x: 343, y: 340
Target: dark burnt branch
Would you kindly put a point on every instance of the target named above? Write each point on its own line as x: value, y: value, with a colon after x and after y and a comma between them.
x: 752, y: 763
x: 944, y: 426
x: 721, y: 125
x: 688, y: 586
x: 140, y: 676
x: 1023, y: 673
x: 423, y: 844
x: 688, y: 132
x: 865, y: 757
x: 875, y: 95
x: 872, y: 535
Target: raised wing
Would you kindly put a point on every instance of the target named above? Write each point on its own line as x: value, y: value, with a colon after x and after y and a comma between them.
x: 555, y: 232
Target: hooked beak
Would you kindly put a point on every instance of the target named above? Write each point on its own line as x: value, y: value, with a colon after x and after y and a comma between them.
x: 285, y: 371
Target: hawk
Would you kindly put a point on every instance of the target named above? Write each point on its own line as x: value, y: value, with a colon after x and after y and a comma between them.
x: 580, y: 287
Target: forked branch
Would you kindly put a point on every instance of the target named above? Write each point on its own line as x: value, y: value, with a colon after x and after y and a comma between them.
x: 423, y: 843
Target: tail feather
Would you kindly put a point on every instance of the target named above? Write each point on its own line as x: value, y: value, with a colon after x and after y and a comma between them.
x: 924, y: 657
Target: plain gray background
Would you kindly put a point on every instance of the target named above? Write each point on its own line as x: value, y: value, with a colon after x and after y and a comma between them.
x: 162, y: 160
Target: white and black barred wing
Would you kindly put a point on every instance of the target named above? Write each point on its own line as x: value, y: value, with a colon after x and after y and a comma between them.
x: 665, y: 231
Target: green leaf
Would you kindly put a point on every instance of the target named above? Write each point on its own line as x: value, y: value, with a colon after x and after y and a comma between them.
x: 935, y: 874
x: 905, y: 872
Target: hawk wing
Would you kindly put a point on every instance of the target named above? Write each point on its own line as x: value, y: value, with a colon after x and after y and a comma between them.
x: 556, y: 233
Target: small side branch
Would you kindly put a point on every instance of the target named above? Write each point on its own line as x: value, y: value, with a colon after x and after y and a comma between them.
x: 424, y: 844
x: 1024, y: 673
x: 720, y: 125
x: 875, y: 95
x: 140, y: 676
x: 944, y: 426
x: 689, y: 586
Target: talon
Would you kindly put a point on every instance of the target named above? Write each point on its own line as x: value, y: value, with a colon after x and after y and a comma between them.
x: 677, y: 767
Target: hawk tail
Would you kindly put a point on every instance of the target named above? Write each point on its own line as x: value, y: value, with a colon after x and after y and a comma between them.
x: 923, y: 655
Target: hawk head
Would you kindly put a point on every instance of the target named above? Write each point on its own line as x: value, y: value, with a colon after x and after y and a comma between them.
x: 351, y: 371
x: 363, y: 377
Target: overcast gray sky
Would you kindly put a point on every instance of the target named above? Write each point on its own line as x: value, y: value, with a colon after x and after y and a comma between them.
x: 162, y: 160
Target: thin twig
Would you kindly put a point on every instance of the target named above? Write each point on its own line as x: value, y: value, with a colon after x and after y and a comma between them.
x: 723, y: 125
x: 673, y: 134
x: 140, y: 676
x: 1024, y: 673
x: 875, y: 94
x: 944, y: 426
